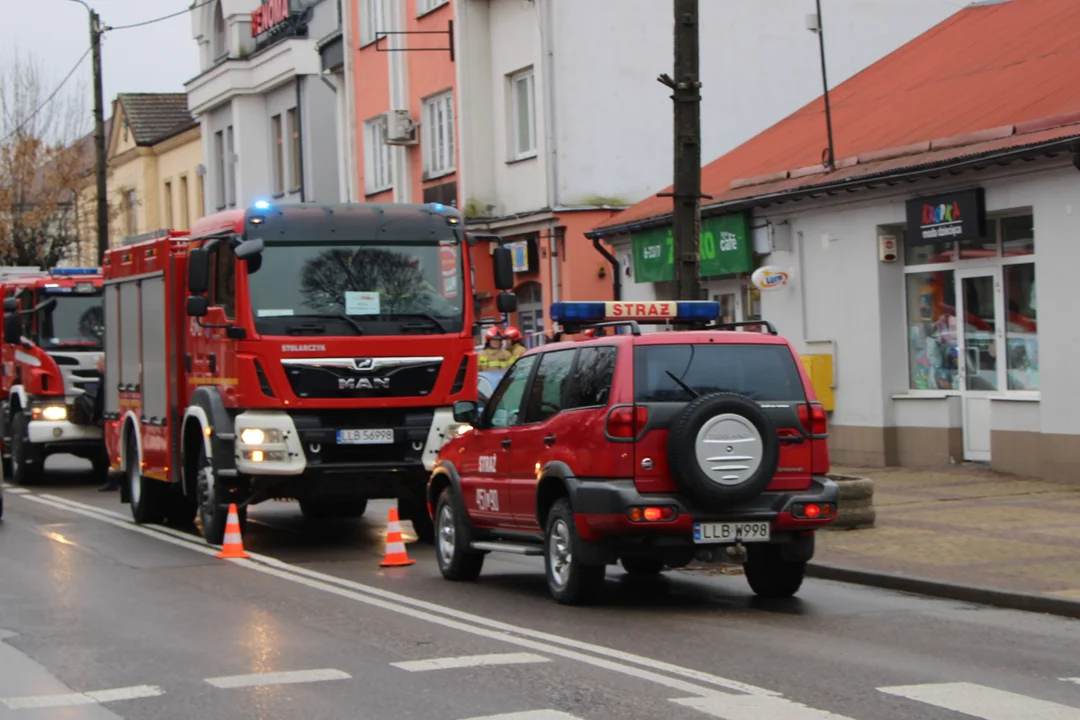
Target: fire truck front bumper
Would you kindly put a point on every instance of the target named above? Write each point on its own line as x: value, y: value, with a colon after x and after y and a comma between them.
x: 63, y: 432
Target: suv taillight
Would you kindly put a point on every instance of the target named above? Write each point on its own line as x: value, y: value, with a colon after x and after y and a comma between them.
x: 814, y: 419
x: 627, y: 422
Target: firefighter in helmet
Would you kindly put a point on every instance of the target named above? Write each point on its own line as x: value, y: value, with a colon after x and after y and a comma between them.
x: 515, y: 345
x: 493, y: 355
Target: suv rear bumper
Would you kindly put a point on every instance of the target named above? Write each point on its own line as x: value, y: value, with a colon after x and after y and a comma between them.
x: 601, y: 513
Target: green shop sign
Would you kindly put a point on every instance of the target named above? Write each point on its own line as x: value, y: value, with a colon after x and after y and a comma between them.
x: 725, y: 249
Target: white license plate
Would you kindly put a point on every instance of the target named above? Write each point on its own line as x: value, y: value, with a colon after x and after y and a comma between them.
x: 365, y: 437
x: 729, y: 532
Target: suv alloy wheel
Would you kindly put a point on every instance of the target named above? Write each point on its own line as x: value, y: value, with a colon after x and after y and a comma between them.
x: 456, y: 561
x: 570, y: 581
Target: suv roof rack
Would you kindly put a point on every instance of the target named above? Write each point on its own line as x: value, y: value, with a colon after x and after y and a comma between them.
x: 572, y: 328
x: 769, y: 327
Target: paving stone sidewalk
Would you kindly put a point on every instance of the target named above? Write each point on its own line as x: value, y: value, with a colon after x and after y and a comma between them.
x: 969, y: 526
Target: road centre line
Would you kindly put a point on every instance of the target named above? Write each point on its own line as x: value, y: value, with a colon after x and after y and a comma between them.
x: 32, y: 702
x: 468, y: 661
x: 429, y: 612
x: 983, y: 702
x: 293, y: 677
x: 755, y: 707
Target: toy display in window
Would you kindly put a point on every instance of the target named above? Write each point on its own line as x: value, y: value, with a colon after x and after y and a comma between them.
x: 933, y: 339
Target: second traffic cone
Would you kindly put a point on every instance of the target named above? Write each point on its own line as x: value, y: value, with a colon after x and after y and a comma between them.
x: 232, y: 546
x: 395, y: 546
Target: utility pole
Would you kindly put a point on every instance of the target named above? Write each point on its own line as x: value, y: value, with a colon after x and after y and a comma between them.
x: 830, y: 160
x: 99, y: 140
x: 686, y: 87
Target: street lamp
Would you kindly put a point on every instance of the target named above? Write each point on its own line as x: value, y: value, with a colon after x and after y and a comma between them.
x: 96, y: 31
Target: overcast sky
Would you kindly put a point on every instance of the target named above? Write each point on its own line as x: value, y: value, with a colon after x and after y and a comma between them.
x: 154, y: 58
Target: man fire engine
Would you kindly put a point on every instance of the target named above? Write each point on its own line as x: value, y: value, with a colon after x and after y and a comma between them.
x: 52, y: 345
x: 309, y: 352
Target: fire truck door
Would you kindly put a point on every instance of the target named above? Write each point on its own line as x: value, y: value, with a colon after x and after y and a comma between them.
x: 218, y: 354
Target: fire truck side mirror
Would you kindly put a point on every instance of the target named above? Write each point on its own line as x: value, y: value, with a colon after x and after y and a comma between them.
x: 198, y: 281
x: 249, y: 248
x: 504, y: 268
x: 506, y: 302
x: 197, y: 305
x: 13, y: 330
x: 11, y: 305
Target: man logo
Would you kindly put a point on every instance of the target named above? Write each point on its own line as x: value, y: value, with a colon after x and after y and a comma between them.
x: 363, y: 363
x: 363, y: 383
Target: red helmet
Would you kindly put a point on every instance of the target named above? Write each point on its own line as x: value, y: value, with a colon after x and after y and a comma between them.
x: 589, y: 333
x: 512, y: 334
x: 493, y: 333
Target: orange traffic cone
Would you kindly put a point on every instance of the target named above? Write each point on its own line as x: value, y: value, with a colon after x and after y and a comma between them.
x: 395, y: 546
x: 233, y: 546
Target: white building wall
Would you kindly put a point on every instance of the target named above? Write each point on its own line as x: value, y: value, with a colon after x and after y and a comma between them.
x: 759, y: 64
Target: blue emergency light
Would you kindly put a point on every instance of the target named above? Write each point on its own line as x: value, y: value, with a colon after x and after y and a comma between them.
x: 656, y: 312
x: 261, y: 205
x: 74, y: 271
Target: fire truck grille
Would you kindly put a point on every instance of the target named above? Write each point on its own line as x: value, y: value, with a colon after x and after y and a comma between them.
x: 318, y: 432
x: 408, y: 377
x: 79, y: 371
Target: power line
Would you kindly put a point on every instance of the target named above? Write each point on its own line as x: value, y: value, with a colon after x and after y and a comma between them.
x: 160, y: 19
x: 48, y: 100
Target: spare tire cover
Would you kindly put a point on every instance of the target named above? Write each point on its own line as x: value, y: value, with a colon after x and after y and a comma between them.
x: 723, y: 449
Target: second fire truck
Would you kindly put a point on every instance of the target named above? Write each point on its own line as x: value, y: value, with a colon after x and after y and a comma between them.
x: 309, y: 352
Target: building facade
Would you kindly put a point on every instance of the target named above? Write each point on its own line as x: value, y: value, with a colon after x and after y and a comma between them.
x: 269, y: 113
x: 547, y: 118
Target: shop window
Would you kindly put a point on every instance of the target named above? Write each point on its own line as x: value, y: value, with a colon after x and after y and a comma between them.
x: 1012, y: 236
x: 1021, y: 329
x: 751, y: 303
x: 438, y: 131
x: 279, y: 156
x: 296, y: 177
x: 1018, y: 236
x: 377, y: 169
x: 983, y: 248
x: 932, y: 330
x: 523, y: 115
x: 727, y: 307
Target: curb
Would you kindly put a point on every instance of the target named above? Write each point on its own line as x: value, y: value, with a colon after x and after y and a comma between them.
x: 1028, y: 602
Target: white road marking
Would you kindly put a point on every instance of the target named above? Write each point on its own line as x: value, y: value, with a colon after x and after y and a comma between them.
x: 1072, y: 680
x: 529, y: 715
x: 279, y: 678
x: 15, y: 490
x: 432, y: 613
x: 468, y: 661
x: 983, y: 702
x: 755, y: 707
x: 89, y: 698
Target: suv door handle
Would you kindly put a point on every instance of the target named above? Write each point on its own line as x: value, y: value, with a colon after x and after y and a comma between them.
x: 506, y: 442
x: 549, y: 440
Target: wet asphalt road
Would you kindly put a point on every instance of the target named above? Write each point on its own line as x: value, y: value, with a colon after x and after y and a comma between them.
x: 102, y: 620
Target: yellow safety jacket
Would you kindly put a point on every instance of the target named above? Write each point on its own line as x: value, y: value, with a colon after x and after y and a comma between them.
x: 490, y: 359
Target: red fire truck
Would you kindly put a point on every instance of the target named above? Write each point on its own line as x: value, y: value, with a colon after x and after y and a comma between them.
x: 52, y: 347
x: 309, y: 352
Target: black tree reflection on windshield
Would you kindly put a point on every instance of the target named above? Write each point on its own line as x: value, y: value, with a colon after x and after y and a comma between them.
x: 397, y: 278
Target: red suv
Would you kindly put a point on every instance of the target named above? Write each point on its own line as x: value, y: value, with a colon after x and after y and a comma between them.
x: 651, y: 450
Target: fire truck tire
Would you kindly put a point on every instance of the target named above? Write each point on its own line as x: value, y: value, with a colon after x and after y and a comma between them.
x: 323, y: 509
x: 213, y: 502
x: 6, y: 461
x: 145, y: 495
x: 422, y: 524
x: 27, y: 462
x: 180, y: 510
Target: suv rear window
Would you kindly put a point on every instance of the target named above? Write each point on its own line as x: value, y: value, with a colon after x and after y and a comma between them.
x: 764, y: 373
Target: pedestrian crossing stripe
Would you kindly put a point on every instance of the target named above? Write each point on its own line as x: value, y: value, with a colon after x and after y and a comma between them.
x: 755, y: 707
x: 983, y: 702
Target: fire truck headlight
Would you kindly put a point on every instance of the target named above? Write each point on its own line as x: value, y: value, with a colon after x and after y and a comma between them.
x: 258, y: 436
x: 54, y: 413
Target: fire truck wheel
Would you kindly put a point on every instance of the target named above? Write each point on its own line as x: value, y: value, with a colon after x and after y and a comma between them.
x: 145, y: 495
x: 213, y: 502
x: 27, y: 463
x: 323, y: 509
x: 180, y: 510
x: 422, y: 524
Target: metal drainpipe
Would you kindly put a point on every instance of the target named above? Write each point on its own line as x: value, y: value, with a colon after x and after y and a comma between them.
x: 300, y: 135
x: 616, y: 278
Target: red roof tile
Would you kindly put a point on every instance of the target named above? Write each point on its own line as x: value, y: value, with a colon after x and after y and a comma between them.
x: 975, y: 80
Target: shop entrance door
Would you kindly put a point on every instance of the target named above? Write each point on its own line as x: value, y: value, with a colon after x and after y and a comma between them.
x: 980, y: 346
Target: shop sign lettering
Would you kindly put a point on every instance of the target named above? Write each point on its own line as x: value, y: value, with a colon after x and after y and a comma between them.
x: 724, y: 247
x: 947, y: 217
x: 770, y: 278
x: 268, y: 16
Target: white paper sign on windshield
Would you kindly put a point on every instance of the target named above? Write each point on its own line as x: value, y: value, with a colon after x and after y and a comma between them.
x: 361, y: 303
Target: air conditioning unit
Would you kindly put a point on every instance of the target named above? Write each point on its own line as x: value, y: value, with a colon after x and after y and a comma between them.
x: 400, y: 128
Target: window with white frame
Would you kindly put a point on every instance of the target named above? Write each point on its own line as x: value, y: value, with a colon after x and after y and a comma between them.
x: 990, y: 281
x: 522, y: 115
x: 219, y: 169
x: 437, y: 126
x: 279, y: 156
x: 377, y: 169
x: 425, y: 6
x: 230, y: 164
x: 374, y: 18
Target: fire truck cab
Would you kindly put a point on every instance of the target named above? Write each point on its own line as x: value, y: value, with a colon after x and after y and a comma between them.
x: 52, y: 348
x: 308, y: 352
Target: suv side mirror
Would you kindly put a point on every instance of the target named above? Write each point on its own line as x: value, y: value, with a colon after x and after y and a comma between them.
x: 198, y: 271
x: 506, y: 302
x: 466, y: 411
x: 13, y: 330
x: 197, y: 305
x: 504, y: 268
x: 11, y: 305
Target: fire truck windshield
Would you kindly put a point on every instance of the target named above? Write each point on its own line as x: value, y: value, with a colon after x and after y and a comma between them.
x: 74, y: 322
x: 348, y: 288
